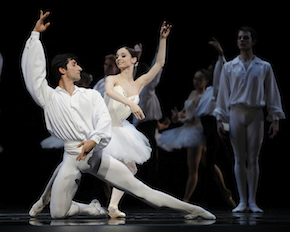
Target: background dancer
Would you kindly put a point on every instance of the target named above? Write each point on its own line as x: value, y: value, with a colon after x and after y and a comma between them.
x: 190, y: 134
x: 110, y: 68
x: 247, y: 84
x: 85, y: 129
x: 151, y: 107
x: 204, y: 111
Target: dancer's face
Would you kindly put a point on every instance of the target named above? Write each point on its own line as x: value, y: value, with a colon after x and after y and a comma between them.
x: 73, y: 70
x: 110, y: 67
x: 124, y: 59
x: 244, y: 40
x: 199, y: 81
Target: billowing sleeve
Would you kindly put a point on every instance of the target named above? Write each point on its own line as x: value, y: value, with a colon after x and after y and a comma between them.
x: 217, y: 74
x: 272, y: 97
x: 221, y: 111
x: 33, y: 65
x: 102, y: 123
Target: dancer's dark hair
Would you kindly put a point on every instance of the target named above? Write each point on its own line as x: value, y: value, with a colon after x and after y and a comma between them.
x: 58, y: 61
x: 254, y: 33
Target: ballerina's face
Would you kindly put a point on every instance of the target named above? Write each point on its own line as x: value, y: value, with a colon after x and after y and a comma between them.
x: 199, y: 80
x: 124, y: 59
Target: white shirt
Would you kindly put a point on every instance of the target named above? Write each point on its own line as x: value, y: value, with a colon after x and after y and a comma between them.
x: 254, y: 87
x: 82, y: 116
x: 217, y: 75
x: 207, y: 102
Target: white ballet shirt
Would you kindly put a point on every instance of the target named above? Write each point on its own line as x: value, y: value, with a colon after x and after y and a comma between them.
x: 82, y: 116
x: 254, y: 87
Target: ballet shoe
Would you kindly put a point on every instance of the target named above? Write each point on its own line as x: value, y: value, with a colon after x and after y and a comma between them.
x: 100, y: 210
x: 202, y: 213
x: 254, y: 208
x: 240, y: 208
x: 114, y: 212
x: 229, y: 199
x: 37, y: 208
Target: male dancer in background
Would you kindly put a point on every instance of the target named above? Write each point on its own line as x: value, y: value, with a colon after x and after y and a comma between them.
x: 247, y: 84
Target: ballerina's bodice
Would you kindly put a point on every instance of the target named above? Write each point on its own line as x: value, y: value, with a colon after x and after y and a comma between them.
x: 189, y: 106
x: 118, y: 110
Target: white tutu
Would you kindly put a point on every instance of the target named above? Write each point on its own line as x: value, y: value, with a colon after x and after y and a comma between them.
x: 185, y: 136
x: 51, y: 142
x: 128, y: 144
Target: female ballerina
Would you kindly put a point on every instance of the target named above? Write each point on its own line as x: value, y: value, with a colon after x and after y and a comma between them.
x: 128, y: 145
x: 190, y: 135
x: 85, y: 129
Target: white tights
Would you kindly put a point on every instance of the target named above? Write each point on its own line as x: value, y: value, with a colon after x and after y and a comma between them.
x: 246, y: 135
x: 115, y: 173
x: 116, y: 193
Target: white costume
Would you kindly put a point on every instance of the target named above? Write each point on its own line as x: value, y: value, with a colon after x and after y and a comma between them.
x: 73, y: 119
x: 127, y: 143
x: 82, y: 116
x: 244, y: 90
x: 188, y: 135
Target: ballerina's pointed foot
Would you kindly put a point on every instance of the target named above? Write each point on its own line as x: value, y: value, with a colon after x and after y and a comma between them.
x: 114, y: 212
x: 37, y: 208
x: 254, y: 208
x: 202, y: 213
x: 240, y: 208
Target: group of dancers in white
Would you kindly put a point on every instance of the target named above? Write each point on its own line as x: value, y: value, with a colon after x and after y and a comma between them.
x: 99, y: 140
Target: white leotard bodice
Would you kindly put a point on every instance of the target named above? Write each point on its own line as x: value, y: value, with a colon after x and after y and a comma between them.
x: 190, y: 106
x: 119, y: 111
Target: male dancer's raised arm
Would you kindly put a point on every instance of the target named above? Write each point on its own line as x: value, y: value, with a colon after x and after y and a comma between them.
x: 33, y: 64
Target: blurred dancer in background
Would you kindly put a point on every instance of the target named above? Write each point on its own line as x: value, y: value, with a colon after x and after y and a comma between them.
x: 110, y: 68
x: 190, y: 135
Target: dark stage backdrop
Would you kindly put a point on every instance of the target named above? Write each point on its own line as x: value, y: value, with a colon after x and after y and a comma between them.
x: 93, y: 31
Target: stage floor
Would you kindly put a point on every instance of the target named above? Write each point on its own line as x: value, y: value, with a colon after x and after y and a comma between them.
x: 148, y: 220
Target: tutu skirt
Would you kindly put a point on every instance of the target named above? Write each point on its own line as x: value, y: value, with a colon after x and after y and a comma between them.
x: 51, y: 143
x: 128, y: 144
x: 188, y: 135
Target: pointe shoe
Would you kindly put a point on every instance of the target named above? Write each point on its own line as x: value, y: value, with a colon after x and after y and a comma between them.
x: 254, y: 208
x: 95, y: 203
x: 37, y: 208
x: 229, y: 199
x: 240, y: 208
x: 114, y: 212
x: 200, y: 213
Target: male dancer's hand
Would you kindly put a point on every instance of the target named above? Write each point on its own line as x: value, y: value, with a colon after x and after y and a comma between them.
x: 40, y: 26
x: 220, y: 129
x: 216, y: 44
x: 274, y: 129
x: 88, y: 145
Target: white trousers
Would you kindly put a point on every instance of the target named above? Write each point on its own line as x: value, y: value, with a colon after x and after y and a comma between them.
x: 66, y: 179
x: 246, y: 135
